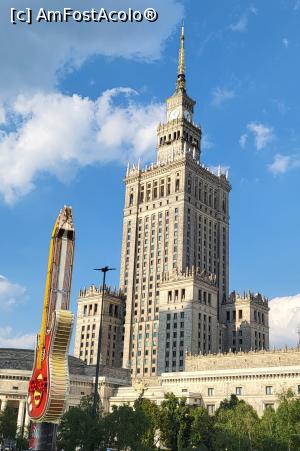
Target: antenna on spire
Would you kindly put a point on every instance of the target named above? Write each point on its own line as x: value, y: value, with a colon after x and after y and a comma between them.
x: 181, y: 62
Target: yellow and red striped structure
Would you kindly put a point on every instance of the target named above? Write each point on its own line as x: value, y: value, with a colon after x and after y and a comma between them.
x: 49, y: 384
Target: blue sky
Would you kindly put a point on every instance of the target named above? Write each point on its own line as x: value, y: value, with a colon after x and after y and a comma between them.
x: 78, y: 100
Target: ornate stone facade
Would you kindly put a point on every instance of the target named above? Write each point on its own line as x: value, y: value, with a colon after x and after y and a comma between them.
x: 176, y: 217
x: 247, y: 322
x: 257, y: 377
x: 187, y: 318
x: 87, y: 326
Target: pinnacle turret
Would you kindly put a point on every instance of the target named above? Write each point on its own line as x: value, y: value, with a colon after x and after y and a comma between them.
x: 180, y: 85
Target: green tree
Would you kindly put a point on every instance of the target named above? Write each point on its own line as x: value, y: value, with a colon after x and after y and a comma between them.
x: 288, y: 421
x: 79, y: 427
x: 201, y: 428
x: 236, y: 426
x: 175, y: 422
x: 267, y: 434
x: 125, y: 428
x: 8, y: 423
x: 151, y: 411
x: 229, y: 404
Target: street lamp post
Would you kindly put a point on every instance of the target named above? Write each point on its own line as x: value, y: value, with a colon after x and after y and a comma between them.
x: 104, y: 270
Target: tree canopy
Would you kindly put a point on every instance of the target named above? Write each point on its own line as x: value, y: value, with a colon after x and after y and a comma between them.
x: 177, y: 426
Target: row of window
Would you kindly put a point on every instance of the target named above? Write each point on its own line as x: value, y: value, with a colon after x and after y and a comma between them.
x: 167, y: 139
x: 206, y: 194
x: 176, y: 295
x: 239, y: 391
x: 259, y: 317
x: 232, y: 315
x: 155, y: 190
x: 92, y: 309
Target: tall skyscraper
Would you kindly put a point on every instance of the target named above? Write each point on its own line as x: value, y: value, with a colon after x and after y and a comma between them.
x: 174, y: 261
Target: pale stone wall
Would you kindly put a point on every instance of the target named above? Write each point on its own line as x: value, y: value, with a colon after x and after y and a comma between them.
x: 187, y: 318
x: 258, y: 377
x: 240, y: 360
x: 185, y: 228
x: 87, y: 326
x: 247, y: 321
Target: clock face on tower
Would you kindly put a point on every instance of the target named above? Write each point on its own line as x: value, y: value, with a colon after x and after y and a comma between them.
x: 174, y: 114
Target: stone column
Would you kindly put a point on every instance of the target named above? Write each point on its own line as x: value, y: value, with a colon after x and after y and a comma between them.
x: 26, y: 423
x: 3, y: 404
x: 21, y: 413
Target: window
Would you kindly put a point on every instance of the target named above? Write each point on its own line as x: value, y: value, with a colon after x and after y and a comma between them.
x: 209, y: 299
x: 298, y: 389
x: 210, y: 392
x: 131, y: 200
x: 269, y: 390
x: 269, y: 406
x: 211, y: 409
x: 238, y: 391
x: 240, y: 314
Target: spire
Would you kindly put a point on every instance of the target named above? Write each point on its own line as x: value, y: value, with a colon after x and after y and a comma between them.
x: 181, y: 63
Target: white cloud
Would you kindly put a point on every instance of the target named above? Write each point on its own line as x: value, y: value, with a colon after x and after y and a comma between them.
x: 263, y: 134
x: 57, y: 134
x: 280, y: 164
x: 10, y: 293
x: 285, y: 42
x: 43, y: 131
x: 283, y: 163
x: 284, y: 320
x: 9, y: 340
x: 220, y: 95
x: 241, y: 25
x: 243, y: 140
x: 33, y: 57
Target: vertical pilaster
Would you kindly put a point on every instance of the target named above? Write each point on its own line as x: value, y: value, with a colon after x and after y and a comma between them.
x: 26, y: 423
x: 3, y: 404
x: 21, y: 413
